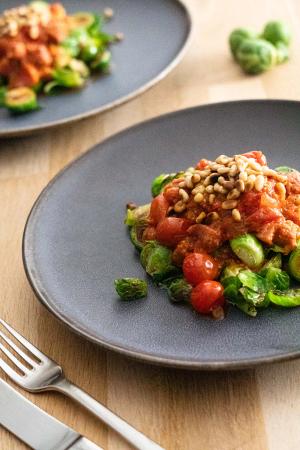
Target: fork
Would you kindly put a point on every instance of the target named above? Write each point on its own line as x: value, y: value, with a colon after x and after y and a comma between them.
x: 45, y: 374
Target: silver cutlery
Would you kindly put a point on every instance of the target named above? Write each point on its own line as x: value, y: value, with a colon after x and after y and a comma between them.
x: 45, y: 374
x: 35, y: 427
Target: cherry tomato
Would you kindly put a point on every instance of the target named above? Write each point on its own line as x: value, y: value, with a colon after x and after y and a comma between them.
x: 201, y: 164
x: 258, y: 156
x: 159, y: 208
x: 198, y: 267
x: 171, y: 230
x: 207, y: 295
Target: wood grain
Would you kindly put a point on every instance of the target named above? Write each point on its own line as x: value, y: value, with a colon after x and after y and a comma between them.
x: 245, y: 410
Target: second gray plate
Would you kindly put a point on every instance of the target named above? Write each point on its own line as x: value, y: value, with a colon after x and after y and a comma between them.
x: 76, y: 244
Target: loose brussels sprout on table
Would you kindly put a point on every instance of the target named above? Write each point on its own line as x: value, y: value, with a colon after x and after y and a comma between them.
x: 257, y: 53
x: 131, y: 288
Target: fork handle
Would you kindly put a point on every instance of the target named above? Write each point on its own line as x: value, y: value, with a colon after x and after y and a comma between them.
x: 135, y: 437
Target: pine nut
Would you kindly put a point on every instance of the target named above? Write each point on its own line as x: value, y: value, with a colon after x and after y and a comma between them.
x: 233, y: 195
x: 254, y: 165
x: 201, y: 216
x: 222, y: 170
x: 199, y: 188
x: 243, y: 176
x: 204, y: 173
x: 206, y: 182
x: 249, y: 185
x: 190, y: 170
x: 229, y: 204
x: 229, y: 185
x: 259, y: 182
x: 182, y: 184
x: 240, y: 185
x: 209, y: 189
x: 252, y: 178
x: 211, y: 198
x: 213, y: 216
x: 188, y: 181
x: 184, y: 195
x: 222, y: 159
x: 221, y: 180
x: 233, y: 170
x: 196, y: 178
x: 179, y: 206
x: 280, y: 188
x: 236, y: 215
x: 198, y: 197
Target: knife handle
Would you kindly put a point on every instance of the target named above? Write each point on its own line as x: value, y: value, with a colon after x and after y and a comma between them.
x: 135, y: 437
x: 84, y: 444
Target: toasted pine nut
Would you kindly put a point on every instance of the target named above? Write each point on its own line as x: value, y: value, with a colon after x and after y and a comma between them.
x: 229, y: 185
x: 233, y: 170
x: 252, y: 178
x: 198, y: 197
x: 188, y: 181
x: 206, y: 182
x: 201, y: 216
x: 229, y: 204
x: 182, y: 184
x: 196, y: 178
x: 211, y: 198
x: 199, y: 188
x: 180, y: 206
x: 184, y: 195
x: 254, y: 165
x: 204, y: 173
x: 249, y: 185
x: 209, y: 189
x: 240, y: 185
x: 213, y: 216
x: 280, y: 188
x: 236, y: 215
x: 222, y: 170
x: 233, y: 195
x: 259, y: 182
x: 243, y: 176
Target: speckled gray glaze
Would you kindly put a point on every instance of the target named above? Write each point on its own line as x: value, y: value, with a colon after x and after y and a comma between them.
x: 76, y: 244
x: 156, y: 36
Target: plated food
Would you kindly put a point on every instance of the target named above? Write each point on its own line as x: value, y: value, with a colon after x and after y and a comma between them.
x: 222, y: 231
x: 43, y: 50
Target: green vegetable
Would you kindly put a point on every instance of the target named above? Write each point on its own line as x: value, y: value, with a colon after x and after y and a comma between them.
x: 157, y: 261
x: 284, y: 169
x: 136, y: 235
x: 232, y: 270
x: 252, y: 281
x: 80, y: 67
x: 21, y: 100
x: 131, y: 288
x: 83, y: 20
x: 3, y: 91
x: 287, y: 299
x: 277, y: 32
x: 248, y: 249
x: 90, y: 50
x: 72, y: 45
x: 137, y: 215
x: 102, y: 61
x: 247, y: 308
x: 256, y: 55
x: 283, y: 53
x: 68, y: 78
x: 275, y: 261
x: 237, y: 36
x: 160, y: 182
x: 276, y: 279
x: 294, y: 264
x: 179, y: 290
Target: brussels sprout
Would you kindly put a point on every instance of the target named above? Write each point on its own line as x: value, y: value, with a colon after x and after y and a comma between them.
x: 276, y: 32
x: 252, y: 281
x: 82, y: 20
x: 136, y: 235
x: 157, y: 261
x: 237, y: 36
x: 102, y: 61
x: 80, y: 67
x: 160, y: 182
x: 247, y: 308
x: 68, y: 78
x: 283, y: 53
x: 137, y: 215
x: 275, y: 261
x: 287, y: 299
x: 131, y: 288
x: 3, y: 91
x: 284, y: 169
x: 276, y: 279
x: 248, y: 249
x: 90, y: 50
x: 71, y: 45
x: 232, y: 270
x: 179, y: 290
x: 294, y: 264
x: 21, y: 100
x: 256, y: 55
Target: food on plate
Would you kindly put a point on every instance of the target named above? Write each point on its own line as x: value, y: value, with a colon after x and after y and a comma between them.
x: 222, y: 232
x: 43, y: 50
x: 131, y: 288
x: 256, y: 53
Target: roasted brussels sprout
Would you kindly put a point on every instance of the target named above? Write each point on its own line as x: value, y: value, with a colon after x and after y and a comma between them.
x: 232, y: 270
x: 294, y: 264
x: 275, y: 261
x: 90, y: 50
x: 284, y: 169
x: 160, y: 182
x: 137, y: 215
x: 256, y: 55
x: 136, y: 233
x: 131, y: 288
x: 71, y: 45
x: 283, y: 53
x: 21, y: 100
x: 179, y: 290
x: 237, y: 36
x: 157, y: 261
x: 101, y: 61
x: 82, y: 20
x: 287, y: 299
x: 248, y: 249
x: 68, y: 78
x: 276, y: 32
x: 3, y: 91
x: 276, y: 279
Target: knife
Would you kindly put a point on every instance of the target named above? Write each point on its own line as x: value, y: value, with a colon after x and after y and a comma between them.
x: 36, y: 428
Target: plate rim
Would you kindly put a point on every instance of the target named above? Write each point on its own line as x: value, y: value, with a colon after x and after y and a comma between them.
x: 180, y: 363
x: 26, y: 131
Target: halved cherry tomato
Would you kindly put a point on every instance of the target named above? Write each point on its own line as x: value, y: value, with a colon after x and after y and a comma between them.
x: 258, y: 156
x: 201, y: 164
x: 159, y: 208
x: 207, y: 295
x: 171, y: 230
x: 198, y: 267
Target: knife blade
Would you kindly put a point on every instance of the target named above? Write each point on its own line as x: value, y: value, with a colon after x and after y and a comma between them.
x: 35, y: 427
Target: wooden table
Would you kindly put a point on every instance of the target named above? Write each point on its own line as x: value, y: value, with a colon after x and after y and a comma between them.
x: 242, y: 410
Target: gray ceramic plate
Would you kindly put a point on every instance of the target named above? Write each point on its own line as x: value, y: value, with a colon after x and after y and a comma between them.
x: 156, y: 36
x: 76, y: 244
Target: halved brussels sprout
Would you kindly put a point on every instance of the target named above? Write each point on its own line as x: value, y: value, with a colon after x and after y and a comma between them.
x: 82, y: 20
x: 102, y: 61
x: 137, y: 216
x: 3, y: 90
x: 294, y: 264
x: 287, y: 299
x: 68, y: 78
x: 21, y: 100
x: 248, y: 249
